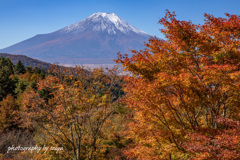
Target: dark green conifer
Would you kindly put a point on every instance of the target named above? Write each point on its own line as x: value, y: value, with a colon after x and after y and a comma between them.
x: 29, y: 69
x: 19, y: 68
x: 6, y: 83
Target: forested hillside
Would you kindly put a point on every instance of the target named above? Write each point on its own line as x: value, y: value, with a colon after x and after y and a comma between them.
x: 72, y: 109
x: 27, y: 61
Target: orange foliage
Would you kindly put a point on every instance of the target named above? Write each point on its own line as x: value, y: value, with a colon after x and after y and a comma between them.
x: 220, y: 143
x: 181, y: 83
x: 8, y: 106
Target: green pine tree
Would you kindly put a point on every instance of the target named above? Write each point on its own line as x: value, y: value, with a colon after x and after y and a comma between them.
x: 6, y: 84
x: 19, y: 68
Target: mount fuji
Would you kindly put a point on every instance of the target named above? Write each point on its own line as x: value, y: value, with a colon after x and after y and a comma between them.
x: 94, y: 40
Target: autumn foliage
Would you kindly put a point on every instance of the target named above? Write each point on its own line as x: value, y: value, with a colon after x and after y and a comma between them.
x: 180, y: 101
x: 221, y: 143
x: 181, y: 84
x: 72, y: 109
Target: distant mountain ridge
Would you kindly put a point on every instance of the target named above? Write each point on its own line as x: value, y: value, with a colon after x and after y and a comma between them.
x: 95, y: 39
x: 26, y: 61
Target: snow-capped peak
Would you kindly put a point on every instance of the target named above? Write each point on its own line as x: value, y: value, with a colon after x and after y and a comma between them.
x: 108, y: 22
x: 109, y: 16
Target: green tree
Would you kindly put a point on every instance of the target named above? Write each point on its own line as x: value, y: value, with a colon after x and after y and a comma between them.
x: 19, y: 68
x: 21, y: 86
x: 29, y: 69
x: 6, y: 83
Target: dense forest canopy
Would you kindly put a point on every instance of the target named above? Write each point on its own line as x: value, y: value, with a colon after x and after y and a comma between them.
x: 185, y: 92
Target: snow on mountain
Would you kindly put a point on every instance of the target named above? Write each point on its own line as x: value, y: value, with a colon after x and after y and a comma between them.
x: 95, y: 39
x: 109, y: 22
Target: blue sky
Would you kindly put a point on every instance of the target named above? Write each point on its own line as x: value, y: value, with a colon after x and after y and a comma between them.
x: 23, y: 19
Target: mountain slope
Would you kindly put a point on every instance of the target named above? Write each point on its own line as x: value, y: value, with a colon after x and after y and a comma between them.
x: 26, y: 61
x: 95, y: 39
